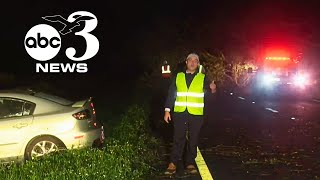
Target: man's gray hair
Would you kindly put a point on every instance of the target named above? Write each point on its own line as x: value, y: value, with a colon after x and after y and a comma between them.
x: 193, y: 55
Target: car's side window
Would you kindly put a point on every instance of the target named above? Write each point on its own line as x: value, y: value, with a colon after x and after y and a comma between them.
x: 14, y: 108
x: 28, y: 108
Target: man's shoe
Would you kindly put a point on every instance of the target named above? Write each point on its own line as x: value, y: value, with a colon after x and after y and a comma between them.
x: 191, y: 169
x: 171, y: 169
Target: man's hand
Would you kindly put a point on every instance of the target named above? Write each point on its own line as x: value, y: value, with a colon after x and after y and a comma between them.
x: 213, y: 87
x: 167, y: 116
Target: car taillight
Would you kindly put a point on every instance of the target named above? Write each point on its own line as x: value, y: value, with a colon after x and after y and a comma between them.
x: 92, y: 107
x: 85, y: 114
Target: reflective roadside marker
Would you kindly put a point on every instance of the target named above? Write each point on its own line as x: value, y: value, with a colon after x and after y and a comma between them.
x: 231, y: 94
x: 316, y: 100
x: 272, y: 110
x: 293, y: 118
x: 253, y: 102
x: 241, y: 98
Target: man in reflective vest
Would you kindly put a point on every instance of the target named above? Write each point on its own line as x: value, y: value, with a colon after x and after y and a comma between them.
x: 165, y: 69
x: 186, y: 95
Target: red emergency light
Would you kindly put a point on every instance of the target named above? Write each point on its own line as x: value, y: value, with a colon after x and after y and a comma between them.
x: 278, y: 58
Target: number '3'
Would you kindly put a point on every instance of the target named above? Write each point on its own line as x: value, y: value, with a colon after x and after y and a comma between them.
x: 91, y: 41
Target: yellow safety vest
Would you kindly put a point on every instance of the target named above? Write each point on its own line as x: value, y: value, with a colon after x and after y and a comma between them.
x: 191, y: 99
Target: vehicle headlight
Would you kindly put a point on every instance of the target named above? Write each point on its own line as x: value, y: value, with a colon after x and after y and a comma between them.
x: 269, y: 79
x: 300, y: 80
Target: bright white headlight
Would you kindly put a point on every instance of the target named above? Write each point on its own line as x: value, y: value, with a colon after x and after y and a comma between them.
x: 300, y: 79
x: 269, y: 79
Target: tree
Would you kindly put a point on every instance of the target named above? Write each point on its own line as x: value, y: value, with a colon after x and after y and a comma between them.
x: 214, y: 66
x: 238, y: 71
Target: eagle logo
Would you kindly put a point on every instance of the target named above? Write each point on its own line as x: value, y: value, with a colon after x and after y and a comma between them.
x: 68, y: 26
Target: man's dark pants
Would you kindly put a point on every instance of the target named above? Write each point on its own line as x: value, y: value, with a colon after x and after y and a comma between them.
x: 183, y: 122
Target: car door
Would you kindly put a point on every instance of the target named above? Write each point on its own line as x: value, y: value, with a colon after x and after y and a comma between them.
x: 15, y: 120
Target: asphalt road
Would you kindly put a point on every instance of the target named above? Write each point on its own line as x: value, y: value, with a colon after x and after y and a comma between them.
x: 262, y: 138
x: 250, y: 137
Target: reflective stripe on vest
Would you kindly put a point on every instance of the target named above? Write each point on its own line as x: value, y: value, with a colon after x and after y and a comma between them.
x: 191, y: 99
x: 167, y: 70
x: 200, y: 69
x: 190, y: 94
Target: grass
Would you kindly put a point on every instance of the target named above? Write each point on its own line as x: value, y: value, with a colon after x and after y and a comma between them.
x: 128, y: 154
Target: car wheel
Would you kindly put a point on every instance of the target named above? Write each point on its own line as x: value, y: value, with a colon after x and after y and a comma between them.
x: 42, y: 146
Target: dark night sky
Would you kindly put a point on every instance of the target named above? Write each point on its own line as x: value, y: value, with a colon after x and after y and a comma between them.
x: 122, y: 25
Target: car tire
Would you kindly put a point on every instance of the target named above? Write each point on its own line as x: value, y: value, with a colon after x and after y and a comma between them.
x: 42, y: 146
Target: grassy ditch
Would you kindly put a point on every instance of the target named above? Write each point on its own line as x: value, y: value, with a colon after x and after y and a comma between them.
x: 129, y: 153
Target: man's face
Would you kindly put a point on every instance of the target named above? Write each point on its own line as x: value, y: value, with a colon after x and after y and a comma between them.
x: 192, y: 63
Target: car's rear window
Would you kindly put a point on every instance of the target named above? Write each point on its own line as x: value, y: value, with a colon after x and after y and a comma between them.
x: 54, y: 98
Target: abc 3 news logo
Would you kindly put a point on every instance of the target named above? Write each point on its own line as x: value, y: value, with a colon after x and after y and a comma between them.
x: 43, y: 42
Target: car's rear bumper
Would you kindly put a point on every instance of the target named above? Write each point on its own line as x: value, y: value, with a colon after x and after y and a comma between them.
x: 78, y: 139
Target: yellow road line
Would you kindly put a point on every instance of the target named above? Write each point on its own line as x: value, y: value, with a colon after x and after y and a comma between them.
x: 202, y: 166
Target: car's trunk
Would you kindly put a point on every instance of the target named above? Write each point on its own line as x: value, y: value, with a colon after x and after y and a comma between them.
x: 86, y: 112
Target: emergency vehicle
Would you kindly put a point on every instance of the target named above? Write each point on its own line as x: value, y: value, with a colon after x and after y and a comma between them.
x: 282, y: 72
